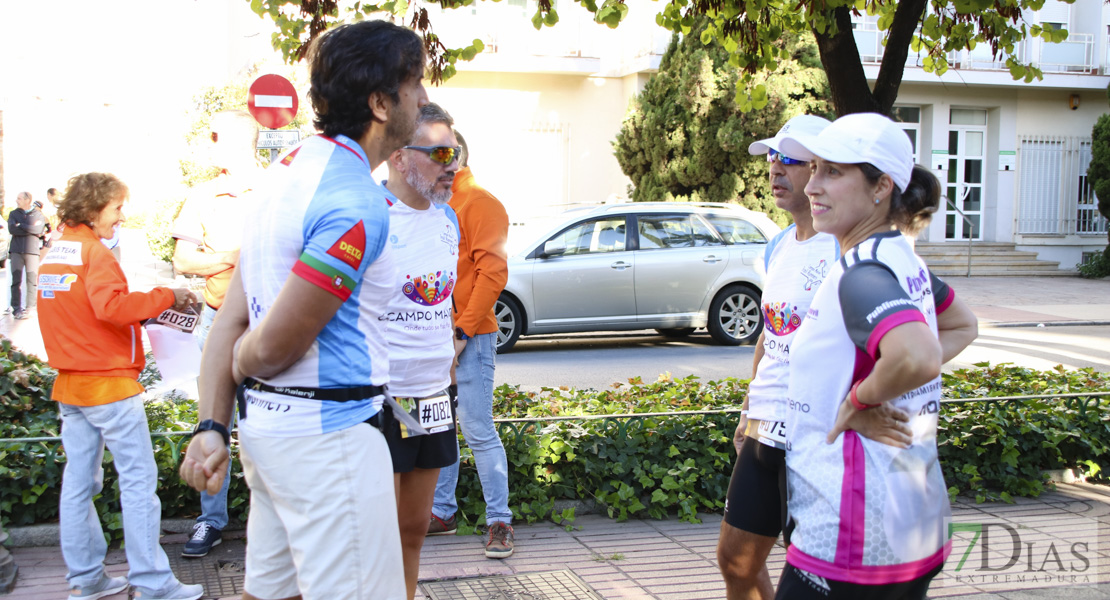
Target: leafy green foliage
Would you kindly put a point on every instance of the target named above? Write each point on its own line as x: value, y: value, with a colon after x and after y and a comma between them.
x: 749, y: 30
x: 31, y: 473
x: 686, y: 139
x: 996, y: 450
x: 1098, y: 173
x: 1097, y: 267
x: 650, y: 466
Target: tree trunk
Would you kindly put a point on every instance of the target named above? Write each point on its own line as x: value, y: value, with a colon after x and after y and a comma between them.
x: 840, y: 56
x: 906, y: 17
x: 847, y: 81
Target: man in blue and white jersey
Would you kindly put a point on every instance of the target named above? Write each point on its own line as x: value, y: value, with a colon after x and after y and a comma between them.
x: 314, y: 276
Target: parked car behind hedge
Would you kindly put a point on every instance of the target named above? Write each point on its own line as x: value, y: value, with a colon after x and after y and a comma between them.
x: 670, y: 266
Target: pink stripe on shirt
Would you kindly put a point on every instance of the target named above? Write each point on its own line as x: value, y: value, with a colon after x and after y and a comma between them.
x: 899, y: 318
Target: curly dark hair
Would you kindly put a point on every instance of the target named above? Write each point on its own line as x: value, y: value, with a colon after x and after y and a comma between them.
x: 352, y: 61
x: 86, y: 195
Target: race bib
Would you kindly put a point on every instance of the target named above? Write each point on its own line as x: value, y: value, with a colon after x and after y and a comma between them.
x: 434, y: 414
x: 181, y: 321
x: 772, y: 433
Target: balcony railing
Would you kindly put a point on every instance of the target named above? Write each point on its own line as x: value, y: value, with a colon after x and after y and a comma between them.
x: 1075, y: 55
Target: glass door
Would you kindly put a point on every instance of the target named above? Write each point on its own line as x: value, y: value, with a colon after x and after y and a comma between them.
x: 967, y: 141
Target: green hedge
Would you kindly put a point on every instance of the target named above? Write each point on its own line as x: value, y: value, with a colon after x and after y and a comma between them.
x: 650, y: 466
x: 31, y: 474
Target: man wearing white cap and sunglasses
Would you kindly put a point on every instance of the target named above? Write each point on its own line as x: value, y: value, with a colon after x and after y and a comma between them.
x: 796, y: 260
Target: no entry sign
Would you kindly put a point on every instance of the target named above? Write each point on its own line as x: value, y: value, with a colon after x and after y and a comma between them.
x: 272, y: 101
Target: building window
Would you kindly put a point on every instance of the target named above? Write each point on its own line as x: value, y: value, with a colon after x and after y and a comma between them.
x: 909, y: 117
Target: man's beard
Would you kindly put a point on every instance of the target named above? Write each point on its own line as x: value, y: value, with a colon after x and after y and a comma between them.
x: 398, y: 131
x: 427, y: 188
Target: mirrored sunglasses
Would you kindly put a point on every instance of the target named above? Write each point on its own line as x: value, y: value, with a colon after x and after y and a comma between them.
x: 441, y: 154
x: 774, y: 155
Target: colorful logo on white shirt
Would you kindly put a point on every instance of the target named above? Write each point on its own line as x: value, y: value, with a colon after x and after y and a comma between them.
x: 430, y: 289
x: 781, y: 317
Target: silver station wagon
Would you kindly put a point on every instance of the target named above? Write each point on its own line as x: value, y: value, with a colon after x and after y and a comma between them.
x: 670, y: 266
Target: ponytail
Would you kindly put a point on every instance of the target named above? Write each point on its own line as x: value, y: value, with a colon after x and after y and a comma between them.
x: 912, y: 209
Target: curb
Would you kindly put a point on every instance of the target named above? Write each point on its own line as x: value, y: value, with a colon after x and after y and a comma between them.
x: 1045, y: 324
x: 30, y: 536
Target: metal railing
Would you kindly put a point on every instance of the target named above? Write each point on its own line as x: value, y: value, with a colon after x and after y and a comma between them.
x: 1074, y: 55
x: 1054, y: 196
x: 970, y: 224
x: 622, y: 423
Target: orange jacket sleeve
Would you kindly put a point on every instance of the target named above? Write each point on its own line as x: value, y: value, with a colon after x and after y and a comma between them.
x: 487, y: 225
x: 106, y: 286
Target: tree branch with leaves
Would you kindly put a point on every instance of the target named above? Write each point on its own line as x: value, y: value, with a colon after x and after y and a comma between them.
x: 749, y: 30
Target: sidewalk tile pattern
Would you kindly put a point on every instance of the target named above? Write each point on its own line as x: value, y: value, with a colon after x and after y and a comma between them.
x: 554, y: 585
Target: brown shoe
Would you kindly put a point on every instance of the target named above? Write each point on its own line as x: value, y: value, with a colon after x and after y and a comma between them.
x: 438, y: 526
x: 499, y: 544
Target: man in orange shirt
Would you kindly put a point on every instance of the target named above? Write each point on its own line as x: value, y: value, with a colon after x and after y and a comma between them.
x: 483, y: 271
x: 206, y: 236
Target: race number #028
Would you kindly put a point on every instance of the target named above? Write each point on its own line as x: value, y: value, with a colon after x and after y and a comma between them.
x: 177, y: 320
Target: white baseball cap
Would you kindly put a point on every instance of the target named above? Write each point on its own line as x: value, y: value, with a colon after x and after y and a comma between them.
x: 804, y: 124
x: 858, y: 138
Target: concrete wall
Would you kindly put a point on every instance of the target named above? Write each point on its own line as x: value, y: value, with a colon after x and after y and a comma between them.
x: 502, y: 116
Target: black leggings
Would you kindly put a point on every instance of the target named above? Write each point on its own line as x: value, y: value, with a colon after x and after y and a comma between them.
x: 796, y: 584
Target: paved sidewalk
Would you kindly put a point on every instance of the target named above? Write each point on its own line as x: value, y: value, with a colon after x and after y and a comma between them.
x: 1010, y: 301
x: 1056, y: 546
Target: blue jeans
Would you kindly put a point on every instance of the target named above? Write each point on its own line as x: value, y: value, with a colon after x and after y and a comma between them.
x: 474, y: 376
x: 213, y: 509
x: 85, y: 431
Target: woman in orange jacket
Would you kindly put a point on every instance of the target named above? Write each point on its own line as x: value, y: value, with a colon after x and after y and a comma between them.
x: 90, y: 325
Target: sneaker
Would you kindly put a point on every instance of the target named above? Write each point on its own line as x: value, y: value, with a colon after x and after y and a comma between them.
x: 500, y: 541
x: 204, y: 537
x: 179, y: 592
x: 438, y: 526
x: 105, y: 587
x: 20, y: 314
x: 8, y: 310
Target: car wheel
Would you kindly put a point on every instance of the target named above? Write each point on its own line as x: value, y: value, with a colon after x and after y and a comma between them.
x: 734, y: 316
x: 677, y: 332
x: 509, y: 323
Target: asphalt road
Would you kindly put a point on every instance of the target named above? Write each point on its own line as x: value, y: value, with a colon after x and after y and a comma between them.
x: 598, y: 360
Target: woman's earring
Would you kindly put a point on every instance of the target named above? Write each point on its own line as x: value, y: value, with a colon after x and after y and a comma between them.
x: 878, y: 200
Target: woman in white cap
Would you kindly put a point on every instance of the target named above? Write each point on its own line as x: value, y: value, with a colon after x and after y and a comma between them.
x: 870, y: 515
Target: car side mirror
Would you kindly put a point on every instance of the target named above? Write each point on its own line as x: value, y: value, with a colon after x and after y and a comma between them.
x: 553, y: 248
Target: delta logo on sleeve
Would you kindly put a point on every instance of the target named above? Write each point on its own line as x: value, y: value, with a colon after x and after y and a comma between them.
x: 350, y: 246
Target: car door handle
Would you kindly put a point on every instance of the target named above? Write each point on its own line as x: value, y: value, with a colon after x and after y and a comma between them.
x: 620, y: 265
x: 712, y: 258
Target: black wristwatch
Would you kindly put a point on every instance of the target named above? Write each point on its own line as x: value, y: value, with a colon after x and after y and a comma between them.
x: 210, y: 425
x: 460, y: 334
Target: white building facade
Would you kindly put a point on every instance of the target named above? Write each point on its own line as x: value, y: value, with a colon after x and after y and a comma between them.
x: 541, y: 108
